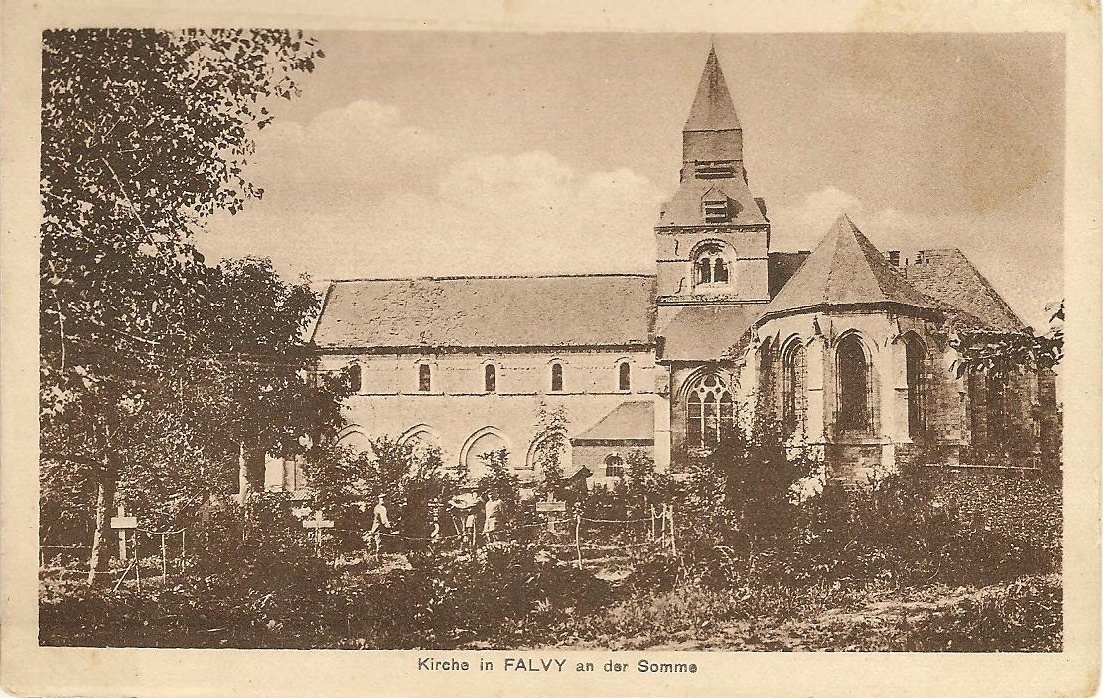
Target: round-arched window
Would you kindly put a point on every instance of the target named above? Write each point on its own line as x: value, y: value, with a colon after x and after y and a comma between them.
x: 710, y: 267
x: 355, y: 378
x: 614, y: 465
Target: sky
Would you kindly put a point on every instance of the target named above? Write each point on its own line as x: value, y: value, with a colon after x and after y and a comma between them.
x: 449, y: 153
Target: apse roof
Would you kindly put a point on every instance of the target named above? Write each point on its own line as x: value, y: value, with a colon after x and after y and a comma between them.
x: 846, y: 269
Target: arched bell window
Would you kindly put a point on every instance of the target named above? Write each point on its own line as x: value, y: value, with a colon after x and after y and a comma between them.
x: 490, y: 378
x: 624, y: 376
x: 424, y: 378
x: 855, y: 387
x: 719, y: 271
x: 711, y: 267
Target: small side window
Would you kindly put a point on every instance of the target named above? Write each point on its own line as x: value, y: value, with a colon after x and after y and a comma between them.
x: 557, y: 378
x: 614, y: 466
x: 424, y: 378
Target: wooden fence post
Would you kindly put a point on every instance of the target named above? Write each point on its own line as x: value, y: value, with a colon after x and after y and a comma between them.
x: 577, y: 534
x: 662, y: 526
x: 673, y: 537
x: 138, y: 559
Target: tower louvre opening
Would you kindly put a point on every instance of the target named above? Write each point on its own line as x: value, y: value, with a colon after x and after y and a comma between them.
x: 714, y: 169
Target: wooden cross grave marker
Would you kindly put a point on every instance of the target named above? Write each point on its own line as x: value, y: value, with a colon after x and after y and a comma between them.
x: 318, y: 522
x: 551, y: 507
x: 123, y: 523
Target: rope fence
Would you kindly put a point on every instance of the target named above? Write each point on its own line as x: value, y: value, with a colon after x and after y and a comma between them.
x: 660, y: 531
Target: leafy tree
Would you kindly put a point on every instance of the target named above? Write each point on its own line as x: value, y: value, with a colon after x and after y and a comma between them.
x: 144, y: 134
x: 551, y: 435
x: 269, y: 401
x: 743, y: 484
x: 499, y: 479
x: 346, y: 484
x: 647, y: 488
x: 1001, y: 354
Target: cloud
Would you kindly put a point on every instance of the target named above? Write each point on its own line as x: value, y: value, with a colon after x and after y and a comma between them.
x: 979, y: 236
x: 359, y: 193
x: 802, y: 226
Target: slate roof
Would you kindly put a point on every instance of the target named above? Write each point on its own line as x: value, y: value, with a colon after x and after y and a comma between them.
x: 846, y: 269
x: 629, y: 421
x: 706, y: 332
x: 685, y: 207
x: 947, y: 276
x: 713, y: 109
x: 458, y: 312
x: 780, y: 267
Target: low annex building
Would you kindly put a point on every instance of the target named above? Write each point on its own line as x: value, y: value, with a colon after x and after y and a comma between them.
x: 848, y: 346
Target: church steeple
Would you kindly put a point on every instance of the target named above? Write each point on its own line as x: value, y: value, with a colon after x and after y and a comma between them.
x: 713, y: 109
x: 713, y: 236
x: 712, y: 139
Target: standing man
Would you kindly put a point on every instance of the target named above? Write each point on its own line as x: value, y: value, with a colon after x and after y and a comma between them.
x: 380, y: 526
x: 493, y: 517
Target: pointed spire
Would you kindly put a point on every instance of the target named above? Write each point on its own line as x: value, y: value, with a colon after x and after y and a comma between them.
x: 713, y: 109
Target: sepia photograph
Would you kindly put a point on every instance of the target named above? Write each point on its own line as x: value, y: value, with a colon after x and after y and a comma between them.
x: 552, y: 352
x: 388, y: 341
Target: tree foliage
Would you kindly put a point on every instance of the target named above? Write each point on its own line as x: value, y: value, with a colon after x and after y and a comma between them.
x: 743, y: 485
x: 345, y: 484
x: 145, y: 133
x: 552, y: 439
x: 1001, y: 354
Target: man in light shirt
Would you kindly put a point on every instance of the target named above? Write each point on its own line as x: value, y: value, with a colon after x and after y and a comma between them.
x: 380, y: 526
x: 493, y: 517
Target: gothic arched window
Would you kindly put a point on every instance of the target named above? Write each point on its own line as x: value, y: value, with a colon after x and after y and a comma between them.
x: 855, y: 388
x: 624, y: 377
x: 710, y: 412
x: 792, y: 388
x: 767, y: 400
x: 490, y: 378
x: 917, y: 419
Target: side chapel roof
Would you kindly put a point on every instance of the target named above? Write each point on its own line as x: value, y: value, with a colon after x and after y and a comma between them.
x: 629, y: 421
x: 706, y: 332
x: 950, y: 278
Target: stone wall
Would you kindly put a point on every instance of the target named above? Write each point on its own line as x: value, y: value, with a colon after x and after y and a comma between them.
x: 460, y: 417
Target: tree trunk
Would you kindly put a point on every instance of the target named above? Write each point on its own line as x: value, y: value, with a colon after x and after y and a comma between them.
x: 250, y: 473
x: 106, y: 482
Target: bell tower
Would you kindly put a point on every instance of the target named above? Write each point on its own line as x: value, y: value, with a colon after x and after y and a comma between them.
x: 713, y: 235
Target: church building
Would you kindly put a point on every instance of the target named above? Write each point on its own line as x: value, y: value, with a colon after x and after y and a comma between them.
x: 848, y: 346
